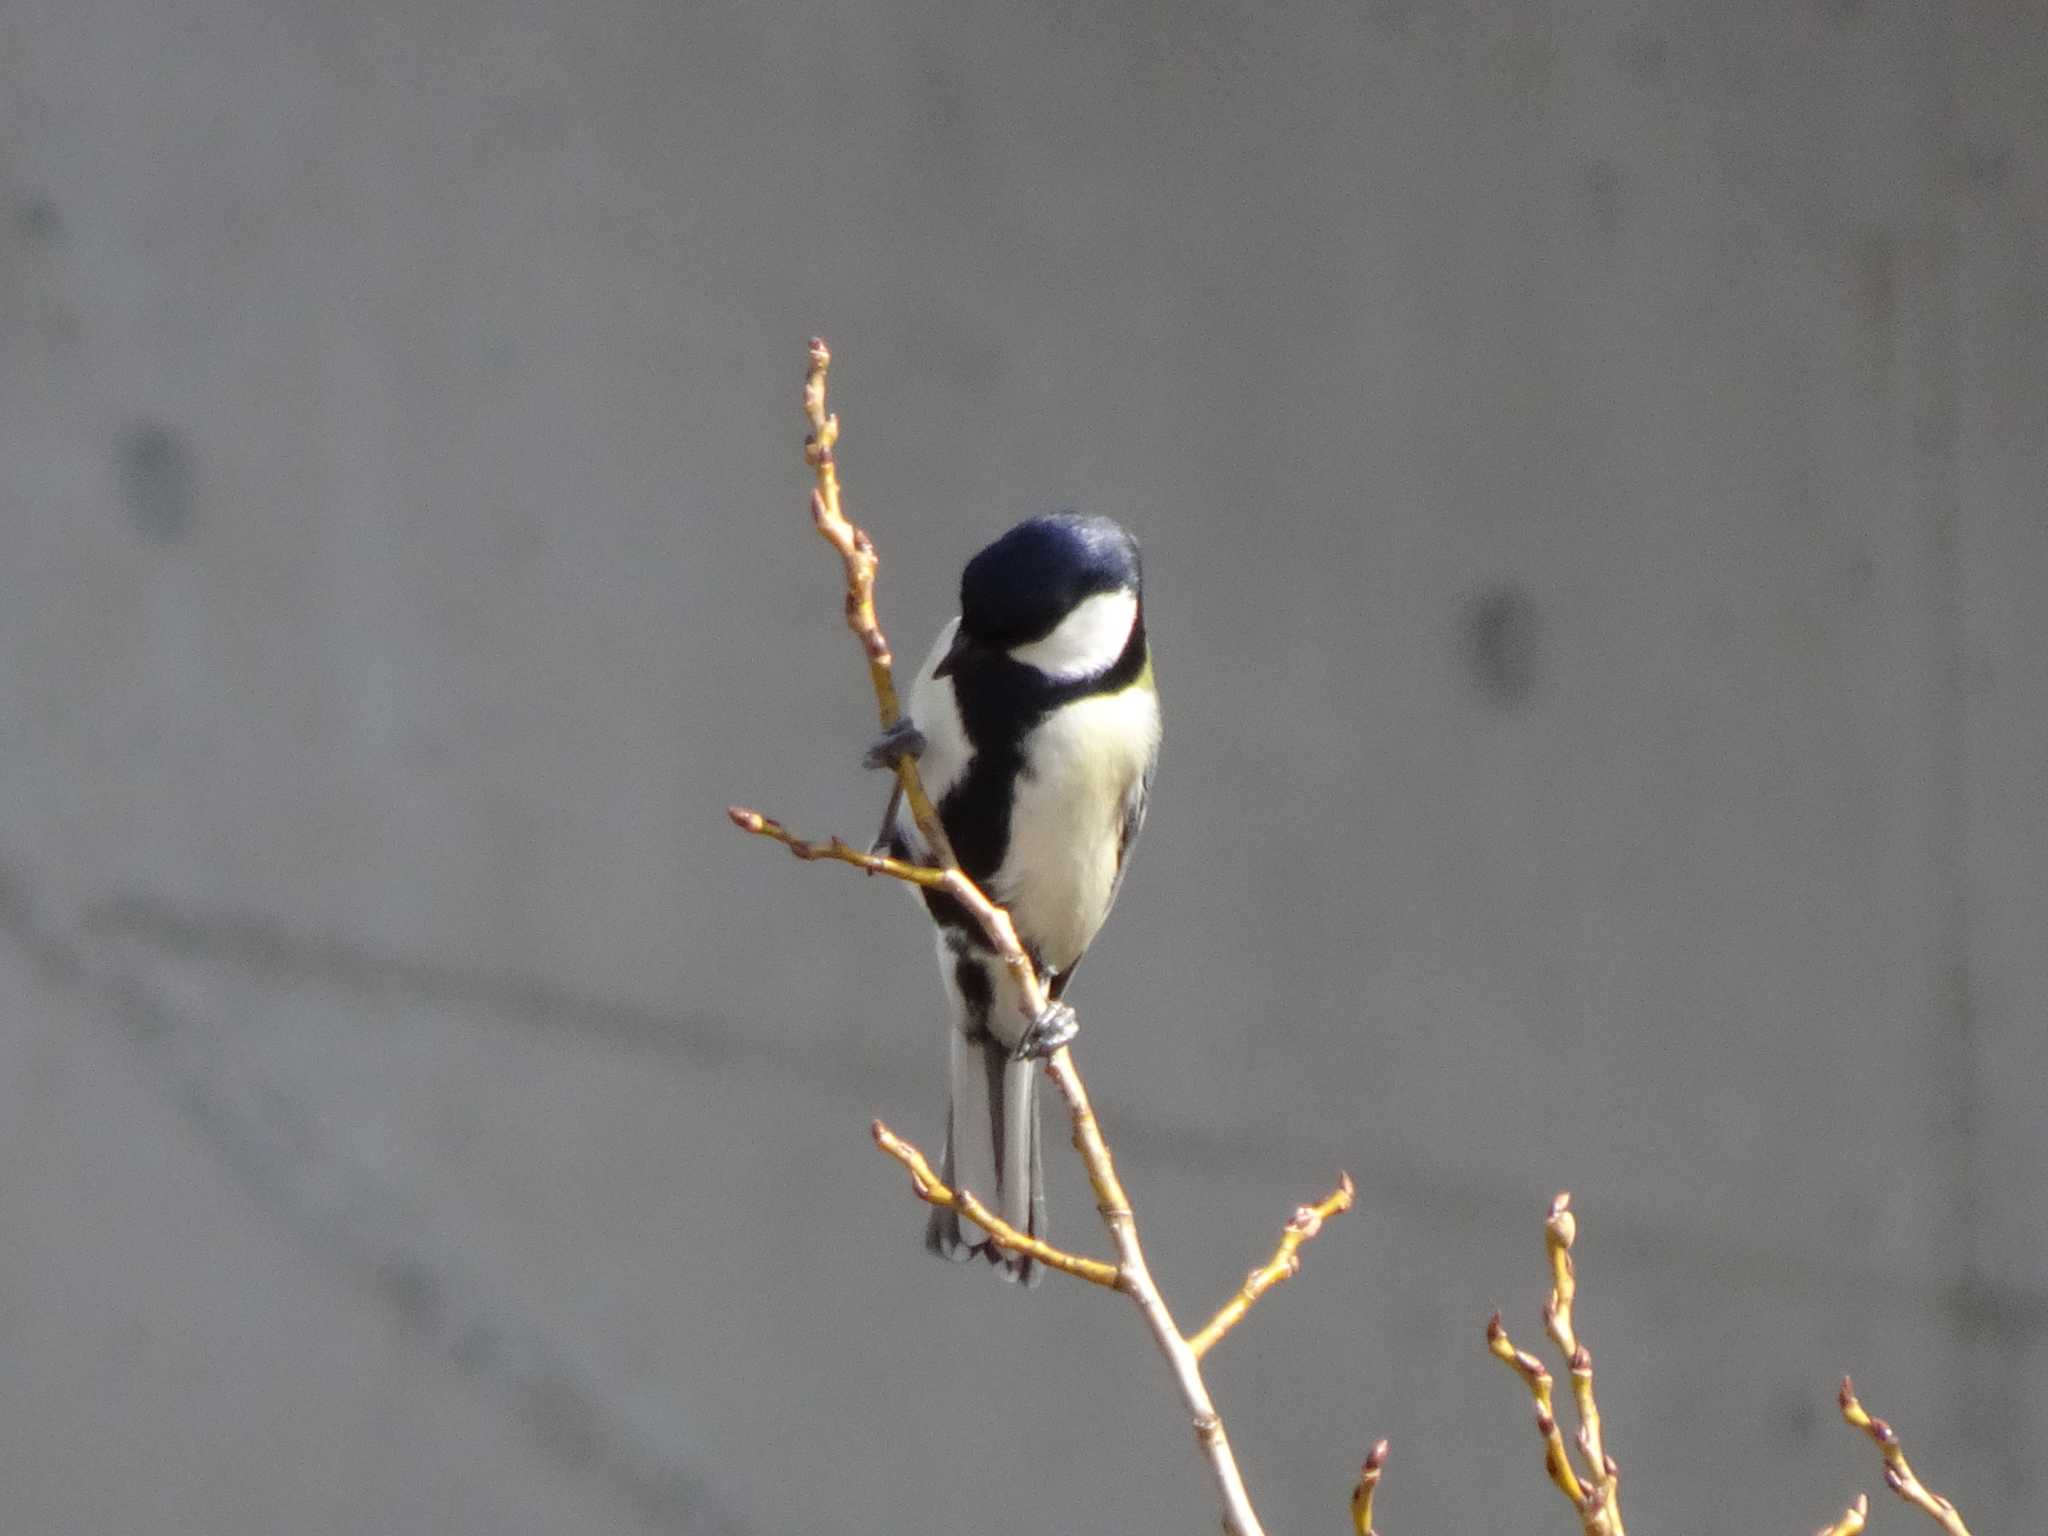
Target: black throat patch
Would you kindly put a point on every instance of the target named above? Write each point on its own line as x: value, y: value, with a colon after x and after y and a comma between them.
x: 1001, y: 702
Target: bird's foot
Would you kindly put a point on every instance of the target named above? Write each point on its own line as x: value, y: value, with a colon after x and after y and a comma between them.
x: 901, y: 740
x: 1048, y: 1032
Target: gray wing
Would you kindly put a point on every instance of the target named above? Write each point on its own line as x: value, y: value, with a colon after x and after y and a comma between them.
x: 1135, y: 805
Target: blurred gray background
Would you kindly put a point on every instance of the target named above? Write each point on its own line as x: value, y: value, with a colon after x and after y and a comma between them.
x: 1590, y: 459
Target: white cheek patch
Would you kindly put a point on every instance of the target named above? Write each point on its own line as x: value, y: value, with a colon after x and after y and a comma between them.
x: 1087, y: 640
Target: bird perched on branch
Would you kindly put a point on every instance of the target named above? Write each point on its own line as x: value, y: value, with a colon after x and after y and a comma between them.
x: 1036, y: 727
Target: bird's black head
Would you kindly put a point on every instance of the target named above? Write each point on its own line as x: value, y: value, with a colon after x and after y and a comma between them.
x: 1019, y: 588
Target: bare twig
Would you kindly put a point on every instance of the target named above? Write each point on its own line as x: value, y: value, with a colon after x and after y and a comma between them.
x: 1898, y: 1473
x: 1595, y: 1493
x: 929, y: 1189
x: 1361, y: 1496
x: 857, y: 551
x: 1851, y: 1523
x: 1555, y: 1460
x: 1137, y: 1283
x: 1306, y: 1222
x: 1560, y: 1229
x: 995, y: 922
x: 1130, y: 1274
x: 846, y: 853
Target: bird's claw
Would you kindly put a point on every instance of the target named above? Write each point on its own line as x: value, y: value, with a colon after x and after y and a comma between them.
x: 901, y: 740
x: 1052, y: 1029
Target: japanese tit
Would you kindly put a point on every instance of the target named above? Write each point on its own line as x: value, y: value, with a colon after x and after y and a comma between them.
x: 1036, y: 726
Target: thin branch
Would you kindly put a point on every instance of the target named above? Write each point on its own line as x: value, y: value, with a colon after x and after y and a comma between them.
x: 995, y: 922
x: 838, y: 848
x: 857, y: 551
x: 1131, y: 1274
x: 1556, y: 1462
x: 1306, y: 1222
x: 1898, y: 1472
x: 1361, y: 1496
x: 1851, y: 1523
x: 1595, y: 1493
x: 1560, y: 1229
x: 928, y: 1188
x: 1137, y: 1283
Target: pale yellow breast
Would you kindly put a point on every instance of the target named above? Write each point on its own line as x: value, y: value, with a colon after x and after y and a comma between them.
x: 1061, y: 865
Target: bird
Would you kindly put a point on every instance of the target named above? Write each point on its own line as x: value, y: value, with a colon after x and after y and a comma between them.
x: 1035, y: 722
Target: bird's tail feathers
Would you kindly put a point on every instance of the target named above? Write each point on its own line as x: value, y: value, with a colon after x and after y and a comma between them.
x: 993, y: 1150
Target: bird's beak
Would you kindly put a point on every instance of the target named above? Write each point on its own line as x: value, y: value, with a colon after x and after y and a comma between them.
x: 955, y: 654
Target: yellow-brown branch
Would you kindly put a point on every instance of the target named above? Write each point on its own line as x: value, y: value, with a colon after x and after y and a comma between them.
x: 1560, y: 1231
x: 995, y: 922
x: 1851, y: 1523
x: 857, y: 552
x: 1131, y: 1274
x: 1136, y: 1282
x: 838, y: 848
x: 1594, y: 1492
x: 930, y: 1189
x: 1556, y: 1462
x: 1898, y: 1472
x: 1306, y: 1222
x: 1361, y: 1496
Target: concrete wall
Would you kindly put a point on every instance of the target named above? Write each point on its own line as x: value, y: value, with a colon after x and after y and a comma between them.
x: 1590, y: 460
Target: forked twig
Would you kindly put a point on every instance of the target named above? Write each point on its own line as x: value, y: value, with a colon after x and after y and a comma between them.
x: 1596, y: 1492
x: 995, y: 922
x: 1130, y: 1274
x: 1592, y: 1487
x: 928, y: 1188
x: 1898, y: 1472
